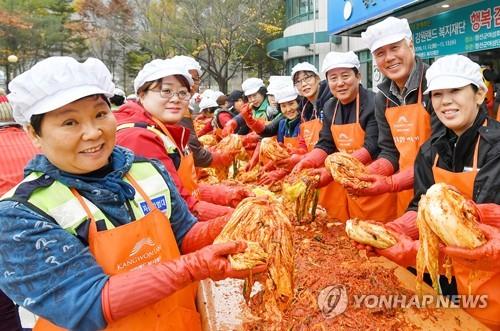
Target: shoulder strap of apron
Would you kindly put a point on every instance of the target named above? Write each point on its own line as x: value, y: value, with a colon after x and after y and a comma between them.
x: 335, y: 111
x: 357, y: 108
x: 476, y: 153
x: 89, y: 213
x: 419, y: 92
x: 314, y: 115
x: 337, y: 106
x: 167, y: 133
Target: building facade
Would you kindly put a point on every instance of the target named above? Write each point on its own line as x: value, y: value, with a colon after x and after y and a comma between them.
x: 440, y: 27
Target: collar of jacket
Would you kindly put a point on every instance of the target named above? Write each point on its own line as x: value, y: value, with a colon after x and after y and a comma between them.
x: 121, y: 160
x: 385, y: 86
x: 291, y: 124
x: 133, y: 112
x: 260, y: 112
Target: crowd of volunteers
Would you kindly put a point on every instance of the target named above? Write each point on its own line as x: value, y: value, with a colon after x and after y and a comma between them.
x: 104, y: 224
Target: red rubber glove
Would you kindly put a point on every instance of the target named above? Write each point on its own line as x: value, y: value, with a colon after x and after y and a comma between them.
x: 313, y: 159
x: 404, y: 252
x: 223, y: 195
x: 203, y: 234
x: 488, y: 213
x: 485, y: 257
x: 250, y: 140
x: 269, y: 178
x: 269, y: 166
x: 255, y: 124
x: 229, y: 128
x: 205, y: 211
x: 290, y: 162
x: 128, y: 292
x: 325, y: 177
x: 383, y: 184
x: 220, y: 159
x: 381, y: 167
x: 254, y: 159
x: 363, y: 155
x: 405, y: 224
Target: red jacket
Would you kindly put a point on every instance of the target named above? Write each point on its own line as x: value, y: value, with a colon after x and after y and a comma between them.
x: 16, y: 150
x: 147, y: 144
x: 223, y: 118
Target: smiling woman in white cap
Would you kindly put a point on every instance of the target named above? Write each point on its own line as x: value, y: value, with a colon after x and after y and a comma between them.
x: 466, y: 155
x: 403, y: 114
x: 316, y: 93
x: 349, y: 126
x: 150, y: 128
x: 287, y: 131
x: 91, y: 238
x: 258, y: 106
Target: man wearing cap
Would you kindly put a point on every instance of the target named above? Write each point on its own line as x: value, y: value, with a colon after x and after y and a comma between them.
x: 349, y: 126
x: 403, y: 120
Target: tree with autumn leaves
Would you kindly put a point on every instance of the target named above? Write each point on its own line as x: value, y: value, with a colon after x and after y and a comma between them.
x: 224, y: 35
x: 35, y: 29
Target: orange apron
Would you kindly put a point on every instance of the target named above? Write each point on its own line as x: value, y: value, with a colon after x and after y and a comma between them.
x: 218, y: 133
x: 186, y: 170
x: 291, y: 143
x: 410, y: 128
x: 333, y: 197
x: 349, y: 138
x: 484, y: 282
x: 113, y: 249
x: 309, y: 130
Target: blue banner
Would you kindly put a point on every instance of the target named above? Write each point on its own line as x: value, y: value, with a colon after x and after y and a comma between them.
x: 468, y: 29
x: 346, y: 14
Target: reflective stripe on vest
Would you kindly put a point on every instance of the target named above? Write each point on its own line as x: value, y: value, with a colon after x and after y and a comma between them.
x: 170, y: 146
x: 58, y: 202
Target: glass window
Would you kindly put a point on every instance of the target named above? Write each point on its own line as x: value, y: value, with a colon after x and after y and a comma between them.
x: 365, y: 59
x: 300, y: 10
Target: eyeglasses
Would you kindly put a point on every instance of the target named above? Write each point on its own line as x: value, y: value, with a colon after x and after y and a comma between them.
x: 169, y: 94
x: 307, y: 79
